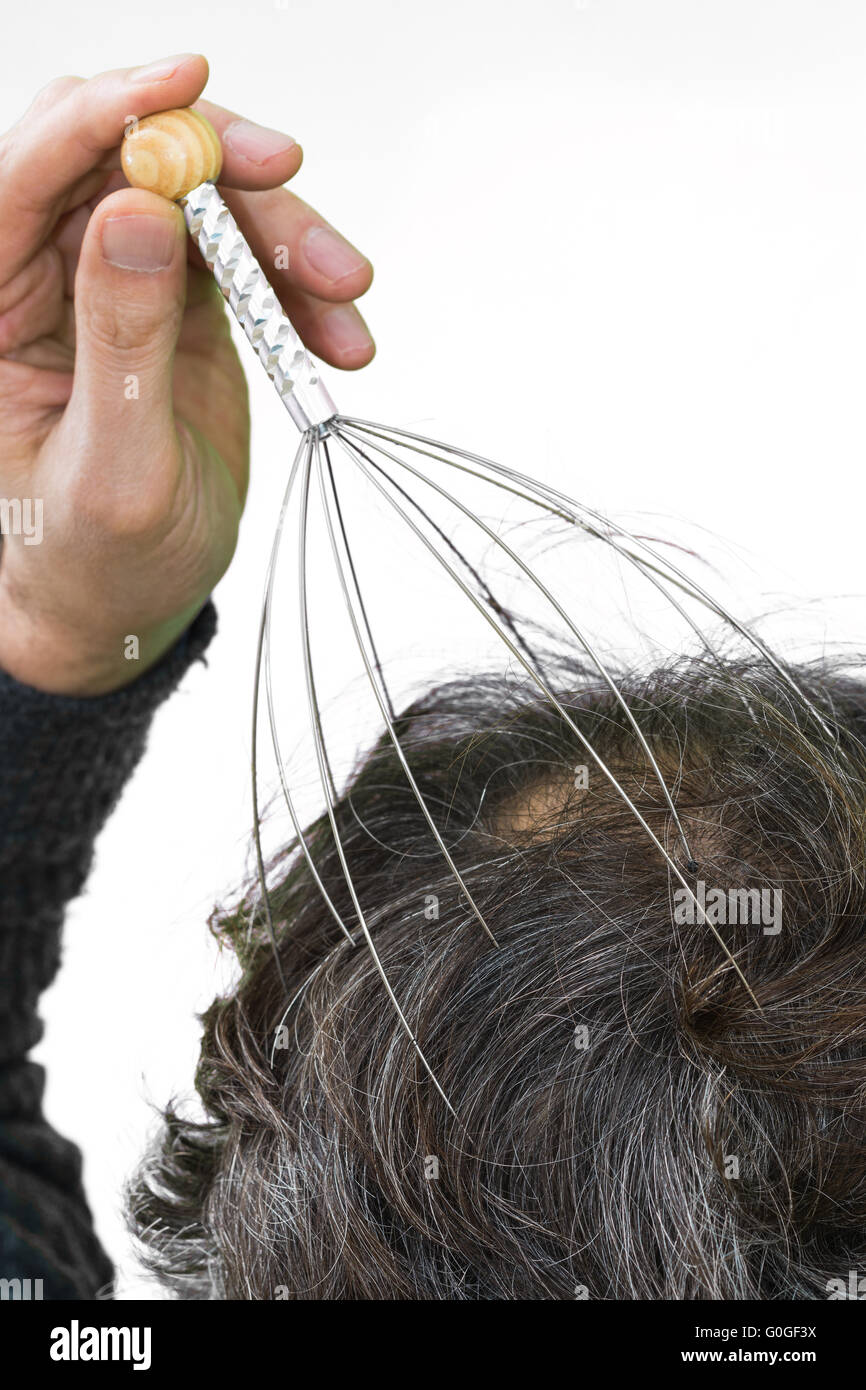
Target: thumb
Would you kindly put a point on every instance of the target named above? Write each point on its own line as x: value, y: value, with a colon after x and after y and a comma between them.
x: 129, y: 300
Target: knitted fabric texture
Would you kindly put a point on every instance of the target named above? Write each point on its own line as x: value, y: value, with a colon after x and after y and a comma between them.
x: 63, y: 765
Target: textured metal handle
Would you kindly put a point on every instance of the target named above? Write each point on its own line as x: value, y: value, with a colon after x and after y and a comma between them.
x: 256, y: 307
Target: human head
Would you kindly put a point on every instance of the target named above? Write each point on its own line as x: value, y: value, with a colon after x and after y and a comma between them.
x: 630, y: 1120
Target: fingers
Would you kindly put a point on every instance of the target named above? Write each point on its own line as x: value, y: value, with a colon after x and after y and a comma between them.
x: 280, y: 228
x: 67, y: 134
x: 63, y: 148
x: 253, y: 155
x: 314, y: 270
x: 276, y: 225
x: 58, y: 160
x: 129, y: 300
x: 335, y: 332
x: 31, y: 302
x: 295, y: 244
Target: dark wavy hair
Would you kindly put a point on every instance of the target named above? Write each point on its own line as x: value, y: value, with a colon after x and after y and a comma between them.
x: 631, y: 1121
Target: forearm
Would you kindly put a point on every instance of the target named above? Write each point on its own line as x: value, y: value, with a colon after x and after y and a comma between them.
x: 63, y: 765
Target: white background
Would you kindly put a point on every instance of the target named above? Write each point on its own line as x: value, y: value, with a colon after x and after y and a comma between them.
x: 620, y: 244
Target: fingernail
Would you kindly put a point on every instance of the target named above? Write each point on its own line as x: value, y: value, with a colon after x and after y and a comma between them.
x: 331, y: 254
x: 346, y: 329
x: 254, y: 142
x: 161, y: 70
x: 139, y: 242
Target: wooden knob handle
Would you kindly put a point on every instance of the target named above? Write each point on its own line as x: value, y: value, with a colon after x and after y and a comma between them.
x: 171, y: 152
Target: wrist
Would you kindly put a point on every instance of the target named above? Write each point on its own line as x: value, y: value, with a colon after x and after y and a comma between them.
x: 62, y: 660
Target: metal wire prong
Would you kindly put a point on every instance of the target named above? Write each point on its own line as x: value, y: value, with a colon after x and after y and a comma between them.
x: 374, y: 685
x: 254, y: 750
x: 354, y: 451
x: 577, y: 633
x: 267, y: 610
x: 536, y: 499
x: 315, y: 721
x: 451, y: 459
x: 560, y: 500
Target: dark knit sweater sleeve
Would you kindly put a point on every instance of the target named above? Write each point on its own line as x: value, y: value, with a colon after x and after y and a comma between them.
x: 63, y: 765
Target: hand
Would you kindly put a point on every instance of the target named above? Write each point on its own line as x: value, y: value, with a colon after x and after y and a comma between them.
x: 124, y: 424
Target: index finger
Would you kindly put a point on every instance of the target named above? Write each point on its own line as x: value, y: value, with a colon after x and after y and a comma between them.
x: 58, y: 142
x: 254, y: 157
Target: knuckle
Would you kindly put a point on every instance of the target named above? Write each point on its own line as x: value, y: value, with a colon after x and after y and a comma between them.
x: 44, y: 100
x: 130, y: 328
x: 52, y: 92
